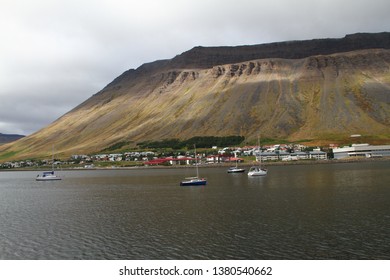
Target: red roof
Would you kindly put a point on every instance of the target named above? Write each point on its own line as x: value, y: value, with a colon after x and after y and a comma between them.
x: 163, y: 160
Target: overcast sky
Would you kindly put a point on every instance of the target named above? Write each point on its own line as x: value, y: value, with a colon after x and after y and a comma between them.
x: 54, y: 54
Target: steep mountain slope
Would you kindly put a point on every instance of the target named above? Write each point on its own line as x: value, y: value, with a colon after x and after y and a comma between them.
x: 297, y: 95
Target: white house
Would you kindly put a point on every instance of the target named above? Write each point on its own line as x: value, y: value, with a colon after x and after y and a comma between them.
x: 317, y: 154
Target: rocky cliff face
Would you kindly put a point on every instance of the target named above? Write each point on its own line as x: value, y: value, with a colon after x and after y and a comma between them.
x: 301, y: 90
x: 206, y: 57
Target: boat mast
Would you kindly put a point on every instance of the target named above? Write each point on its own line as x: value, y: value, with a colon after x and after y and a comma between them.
x: 258, y: 142
x: 52, y: 159
x: 196, y: 162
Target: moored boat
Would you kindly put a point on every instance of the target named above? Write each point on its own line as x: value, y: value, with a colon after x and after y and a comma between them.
x: 257, y: 170
x: 235, y: 169
x: 48, y: 176
x: 194, y: 181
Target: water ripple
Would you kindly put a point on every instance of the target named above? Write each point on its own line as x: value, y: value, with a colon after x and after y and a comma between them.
x: 146, y: 215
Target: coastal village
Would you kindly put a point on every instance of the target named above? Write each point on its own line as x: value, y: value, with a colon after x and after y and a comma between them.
x: 215, y: 155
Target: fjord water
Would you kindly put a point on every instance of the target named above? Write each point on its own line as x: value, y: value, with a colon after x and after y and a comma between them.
x: 324, y: 211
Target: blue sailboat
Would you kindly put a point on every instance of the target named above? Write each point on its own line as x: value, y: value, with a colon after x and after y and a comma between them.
x: 194, y: 181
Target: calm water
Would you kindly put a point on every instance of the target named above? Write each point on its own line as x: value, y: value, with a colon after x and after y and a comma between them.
x: 331, y: 211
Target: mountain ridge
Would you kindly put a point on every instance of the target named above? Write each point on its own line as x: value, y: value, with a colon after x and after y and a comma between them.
x: 7, y: 138
x: 206, y: 57
x: 318, y: 97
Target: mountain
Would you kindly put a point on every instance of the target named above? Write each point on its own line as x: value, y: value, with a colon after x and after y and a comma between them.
x: 7, y: 138
x: 322, y: 89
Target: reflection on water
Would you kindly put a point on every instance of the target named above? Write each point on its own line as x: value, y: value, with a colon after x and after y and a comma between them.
x: 332, y: 211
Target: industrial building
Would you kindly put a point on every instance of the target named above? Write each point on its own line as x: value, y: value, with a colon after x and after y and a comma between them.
x: 362, y: 150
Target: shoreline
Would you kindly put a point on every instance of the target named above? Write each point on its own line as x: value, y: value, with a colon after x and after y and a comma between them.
x: 211, y: 165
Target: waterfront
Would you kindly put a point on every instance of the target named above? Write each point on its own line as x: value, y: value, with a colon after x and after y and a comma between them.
x: 330, y: 211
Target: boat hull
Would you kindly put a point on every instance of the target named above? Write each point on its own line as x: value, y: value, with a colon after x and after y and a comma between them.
x: 256, y: 171
x: 48, y: 178
x: 257, y: 174
x: 238, y: 170
x: 199, y: 182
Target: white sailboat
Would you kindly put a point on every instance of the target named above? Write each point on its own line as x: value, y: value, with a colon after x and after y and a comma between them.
x: 48, y: 175
x: 257, y: 170
x: 194, y: 181
x: 235, y: 169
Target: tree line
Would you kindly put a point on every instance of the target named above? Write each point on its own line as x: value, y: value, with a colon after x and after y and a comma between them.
x: 199, y: 141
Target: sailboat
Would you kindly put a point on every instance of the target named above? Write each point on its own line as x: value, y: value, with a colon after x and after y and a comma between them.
x: 235, y: 169
x: 49, y: 175
x: 257, y: 170
x: 194, y: 181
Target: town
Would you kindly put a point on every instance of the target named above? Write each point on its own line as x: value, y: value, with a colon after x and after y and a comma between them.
x: 214, y: 155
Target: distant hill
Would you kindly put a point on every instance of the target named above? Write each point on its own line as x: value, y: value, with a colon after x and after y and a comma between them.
x: 317, y: 91
x: 7, y: 138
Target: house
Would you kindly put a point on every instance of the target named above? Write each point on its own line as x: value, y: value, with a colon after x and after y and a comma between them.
x: 300, y: 155
x: 234, y: 159
x: 266, y: 156
x: 214, y: 159
x: 283, y: 154
x: 222, y: 158
x: 170, y: 161
x: 290, y: 158
x: 317, y: 154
